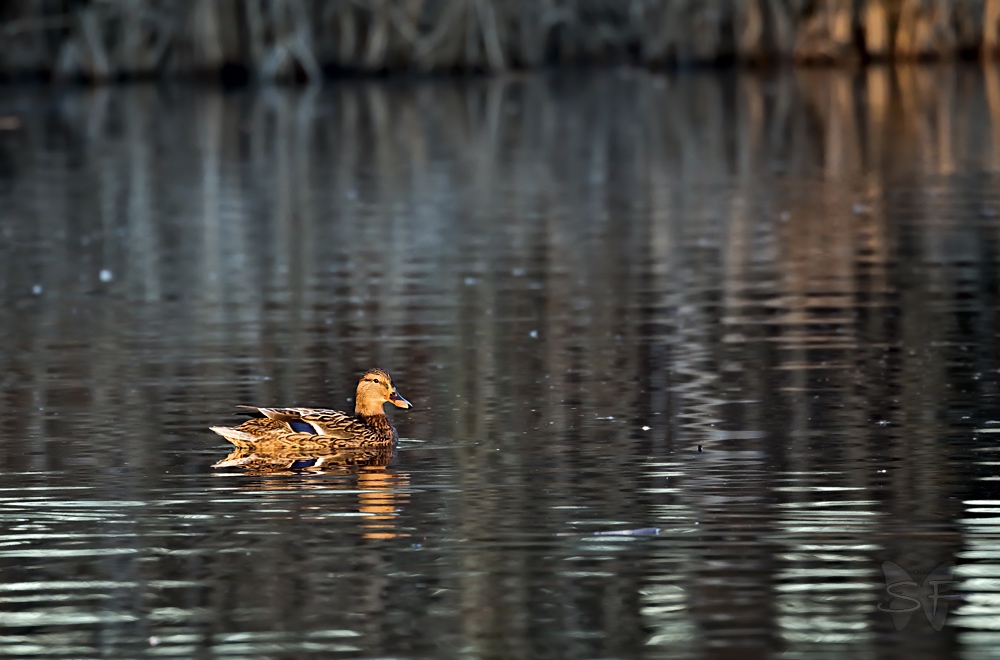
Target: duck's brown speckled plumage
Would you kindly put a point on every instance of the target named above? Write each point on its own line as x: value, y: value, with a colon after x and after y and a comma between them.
x: 319, y: 428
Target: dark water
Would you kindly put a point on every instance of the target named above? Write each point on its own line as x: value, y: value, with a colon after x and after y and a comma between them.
x: 577, y: 281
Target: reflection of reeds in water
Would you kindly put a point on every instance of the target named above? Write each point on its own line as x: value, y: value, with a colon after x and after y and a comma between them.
x: 380, y: 500
x: 292, y: 225
x: 381, y: 492
x: 286, y: 39
x: 646, y: 248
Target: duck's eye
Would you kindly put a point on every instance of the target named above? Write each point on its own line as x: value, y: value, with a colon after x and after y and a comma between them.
x: 374, y: 380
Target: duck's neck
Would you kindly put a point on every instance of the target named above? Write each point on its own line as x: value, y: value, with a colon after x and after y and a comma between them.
x: 372, y: 416
x: 377, y: 422
x: 363, y: 408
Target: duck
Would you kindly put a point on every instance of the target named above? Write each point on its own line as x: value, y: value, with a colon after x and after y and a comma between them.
x: 276, y: 430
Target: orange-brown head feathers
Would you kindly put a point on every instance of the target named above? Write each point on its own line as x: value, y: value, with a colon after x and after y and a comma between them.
x: 375, y: 389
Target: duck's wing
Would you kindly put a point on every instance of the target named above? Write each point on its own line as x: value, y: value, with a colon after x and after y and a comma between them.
x: 320, y: 421
x: 262, y: 429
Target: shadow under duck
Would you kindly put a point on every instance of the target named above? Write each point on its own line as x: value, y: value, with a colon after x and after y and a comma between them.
x: 317, y: 428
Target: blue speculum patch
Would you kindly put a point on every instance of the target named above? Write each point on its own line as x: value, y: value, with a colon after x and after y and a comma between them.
x: 303, y: 463
x: 302, y: 427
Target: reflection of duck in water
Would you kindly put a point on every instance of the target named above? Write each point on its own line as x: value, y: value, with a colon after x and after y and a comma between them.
x: 290, y: 435
x: 272, y: 460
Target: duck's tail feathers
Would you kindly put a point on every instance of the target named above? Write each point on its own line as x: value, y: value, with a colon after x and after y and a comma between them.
x: 239, y: 438
x: 255, y: 409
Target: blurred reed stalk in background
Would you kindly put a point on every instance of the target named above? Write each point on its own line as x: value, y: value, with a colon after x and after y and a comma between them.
x: 289, y: 40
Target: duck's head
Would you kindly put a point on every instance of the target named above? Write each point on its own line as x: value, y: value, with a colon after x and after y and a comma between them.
x: 375, y: 390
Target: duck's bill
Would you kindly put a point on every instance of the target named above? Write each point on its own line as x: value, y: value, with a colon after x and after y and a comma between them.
x: 397, y: 400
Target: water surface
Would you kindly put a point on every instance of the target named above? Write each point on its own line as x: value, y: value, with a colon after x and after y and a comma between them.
x: 691, y: 357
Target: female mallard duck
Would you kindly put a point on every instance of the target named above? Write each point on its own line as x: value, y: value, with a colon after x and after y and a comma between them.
x: 319, y: 428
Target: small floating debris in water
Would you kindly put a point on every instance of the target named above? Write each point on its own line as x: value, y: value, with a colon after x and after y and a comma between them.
x: 469, y: 281
x: 993, y: 430
x: 642, y: 531
x: 106, y: 275
x: 518, y: 272
x: 646, y: 428
x: 533, y: 334
x: 699, y: 448
x: 608, y: 417
x: 883, y: 422
x: 37, y: 289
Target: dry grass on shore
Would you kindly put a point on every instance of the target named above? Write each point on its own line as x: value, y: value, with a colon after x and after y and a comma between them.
x: 284, y: 40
